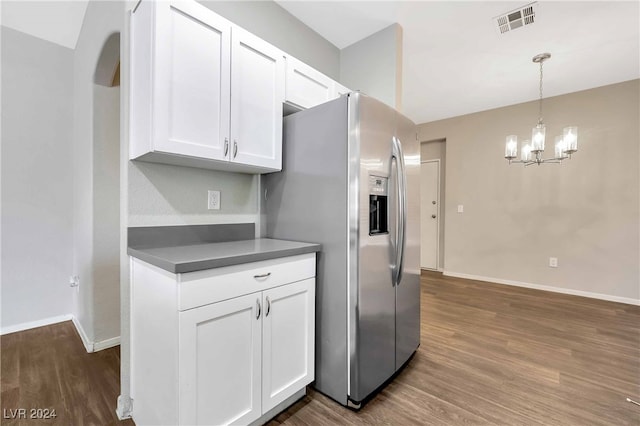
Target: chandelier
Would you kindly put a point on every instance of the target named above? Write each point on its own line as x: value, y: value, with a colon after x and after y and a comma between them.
x: 532, y: 150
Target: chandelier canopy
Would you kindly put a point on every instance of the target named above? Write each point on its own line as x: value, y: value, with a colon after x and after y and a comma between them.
x: 532, y: 150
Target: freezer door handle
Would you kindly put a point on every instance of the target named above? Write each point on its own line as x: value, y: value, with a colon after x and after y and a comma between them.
x: 401, y: 216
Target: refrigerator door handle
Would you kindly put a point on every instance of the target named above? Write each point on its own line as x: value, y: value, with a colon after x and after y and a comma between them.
x: 401, y: 220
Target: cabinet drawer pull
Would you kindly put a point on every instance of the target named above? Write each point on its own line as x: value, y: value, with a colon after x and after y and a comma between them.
x: 268, y: 307
x: 226, y: 146
x: 235, y: 148
x: 262, y: 275
x: 259, y: 308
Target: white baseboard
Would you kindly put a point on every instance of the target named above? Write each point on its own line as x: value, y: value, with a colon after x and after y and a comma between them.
x: 34, y: 324
x: 91, y: 346
x: 105, y: 344
x: 626, y: 300
x: 88, y: 344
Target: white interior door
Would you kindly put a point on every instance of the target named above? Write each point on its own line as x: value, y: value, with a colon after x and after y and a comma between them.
x: 430, y: 217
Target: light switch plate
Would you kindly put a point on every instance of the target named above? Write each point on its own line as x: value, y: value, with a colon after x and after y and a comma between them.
x: 460, y: 208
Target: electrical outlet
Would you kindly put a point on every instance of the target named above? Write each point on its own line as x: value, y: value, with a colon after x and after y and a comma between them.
x: 74, y: 281
x: 553, y: 262
x: 213, y: 200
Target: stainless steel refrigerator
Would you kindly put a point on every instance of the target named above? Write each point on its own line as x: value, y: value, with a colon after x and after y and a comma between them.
x: 350, y: 181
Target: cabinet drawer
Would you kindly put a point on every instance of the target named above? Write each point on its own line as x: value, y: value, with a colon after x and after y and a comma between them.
x: 214, y: 285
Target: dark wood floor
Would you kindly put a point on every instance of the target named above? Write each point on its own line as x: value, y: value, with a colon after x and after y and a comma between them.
x: 48, y: 368
x: 490, y: 354
x: 494, y: 354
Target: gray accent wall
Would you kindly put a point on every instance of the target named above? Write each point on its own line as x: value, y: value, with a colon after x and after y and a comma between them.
x: 37, y: 174
x: 161, y: 194
x: 373, y: 66
x: 172, y: 236
x: 585, y: 212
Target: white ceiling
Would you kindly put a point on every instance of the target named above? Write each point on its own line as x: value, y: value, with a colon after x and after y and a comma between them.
x: 456, y: 62
x: 56, y: 21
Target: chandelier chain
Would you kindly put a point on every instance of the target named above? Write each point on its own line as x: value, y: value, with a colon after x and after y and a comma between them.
x: 540, y: 102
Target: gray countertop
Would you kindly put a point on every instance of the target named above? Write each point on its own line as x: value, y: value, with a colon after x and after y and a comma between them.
x: 195, y: 257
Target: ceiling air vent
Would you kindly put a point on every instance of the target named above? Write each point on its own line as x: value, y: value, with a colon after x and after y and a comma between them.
x: 516, y: 18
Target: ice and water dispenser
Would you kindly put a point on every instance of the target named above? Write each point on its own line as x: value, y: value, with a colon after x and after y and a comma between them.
x: 378, y: 205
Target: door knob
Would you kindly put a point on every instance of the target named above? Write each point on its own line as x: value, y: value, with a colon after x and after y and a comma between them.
x: 433, y: 216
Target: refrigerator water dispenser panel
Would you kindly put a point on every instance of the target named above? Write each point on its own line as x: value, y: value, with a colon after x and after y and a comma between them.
x: 378, y: 206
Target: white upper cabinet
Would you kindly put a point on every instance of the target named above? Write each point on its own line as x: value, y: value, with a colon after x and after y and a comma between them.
x: 192, y: 67
x: 257, y: 86
x: 306, y: 87
x: 204, y: 93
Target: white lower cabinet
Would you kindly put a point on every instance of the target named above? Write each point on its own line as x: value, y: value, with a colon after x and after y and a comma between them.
x: 232, y: 361
x: 220, y: 363
x: 287, y: 341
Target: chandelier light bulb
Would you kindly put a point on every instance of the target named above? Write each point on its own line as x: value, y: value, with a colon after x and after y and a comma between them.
x: 511, y: 147
x: 525, y: 153
x: 561, y: 148
x: 537, y: 138
x: 570, y: 135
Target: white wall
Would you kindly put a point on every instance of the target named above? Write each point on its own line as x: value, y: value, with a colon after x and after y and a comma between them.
x: 374, y: 66
x: 106, y: 210
x: 37, y: 220
x: 585, y: 212
x: 101, y: 20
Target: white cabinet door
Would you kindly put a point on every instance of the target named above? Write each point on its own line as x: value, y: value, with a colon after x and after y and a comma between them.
x: 192, y: 84
x: 306, y: 87
x: 288, y: 341
x: 220, y: 362
x: 257, y: 87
